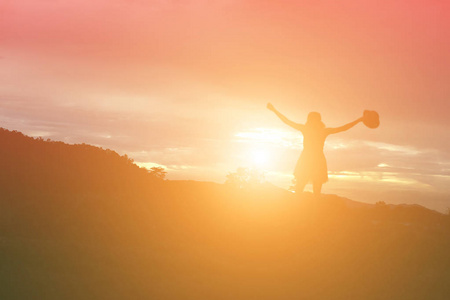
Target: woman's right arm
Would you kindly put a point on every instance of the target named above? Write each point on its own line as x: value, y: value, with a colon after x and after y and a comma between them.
x: 283, y: 118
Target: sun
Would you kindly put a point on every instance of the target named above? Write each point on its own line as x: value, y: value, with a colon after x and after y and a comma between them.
x: 260, y: 158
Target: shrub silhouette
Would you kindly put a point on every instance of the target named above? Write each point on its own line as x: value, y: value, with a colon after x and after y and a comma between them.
x: 245, y: 178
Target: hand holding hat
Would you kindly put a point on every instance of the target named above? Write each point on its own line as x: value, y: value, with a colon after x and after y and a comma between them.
x: 371, y: 119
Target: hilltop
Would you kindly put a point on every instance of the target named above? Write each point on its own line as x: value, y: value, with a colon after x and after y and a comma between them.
x: 82, y: 222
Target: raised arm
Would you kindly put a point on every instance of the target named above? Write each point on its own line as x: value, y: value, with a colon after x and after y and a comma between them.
x: 343, y: 128
x: 284, y: 119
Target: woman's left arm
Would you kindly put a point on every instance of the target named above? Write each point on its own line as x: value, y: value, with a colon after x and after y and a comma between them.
x: 344, y: 127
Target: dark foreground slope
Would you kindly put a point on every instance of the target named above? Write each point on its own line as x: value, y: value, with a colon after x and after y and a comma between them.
x: 142, y: 238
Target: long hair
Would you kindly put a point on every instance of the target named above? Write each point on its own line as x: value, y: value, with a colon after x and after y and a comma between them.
x: 314, y: 120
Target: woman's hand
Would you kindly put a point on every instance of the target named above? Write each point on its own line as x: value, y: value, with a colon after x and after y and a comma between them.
x: 283, y: 118
x: 270, y: 107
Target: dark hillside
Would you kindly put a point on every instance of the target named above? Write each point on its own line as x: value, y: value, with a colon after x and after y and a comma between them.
x: 81, y: 222
x: 55, y: 166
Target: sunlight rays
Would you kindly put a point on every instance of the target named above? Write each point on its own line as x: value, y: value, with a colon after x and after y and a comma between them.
x: 277, y: 137
x: 260, y: 157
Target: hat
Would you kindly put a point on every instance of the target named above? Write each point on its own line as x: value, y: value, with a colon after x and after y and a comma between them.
x: 371, y: 119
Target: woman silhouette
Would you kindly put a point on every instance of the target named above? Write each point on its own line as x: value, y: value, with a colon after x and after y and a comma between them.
x: 312, y: 165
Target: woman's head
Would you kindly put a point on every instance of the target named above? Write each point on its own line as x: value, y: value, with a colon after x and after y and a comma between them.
x: 314, y: 120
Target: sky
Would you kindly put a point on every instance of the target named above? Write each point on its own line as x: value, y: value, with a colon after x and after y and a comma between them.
x: 184, y: 85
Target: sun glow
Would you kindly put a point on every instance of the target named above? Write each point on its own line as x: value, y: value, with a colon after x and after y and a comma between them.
x: 260, y: 158
x: 277, y: 137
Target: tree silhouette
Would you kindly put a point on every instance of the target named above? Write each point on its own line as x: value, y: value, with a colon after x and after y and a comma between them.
x: 158, y: 172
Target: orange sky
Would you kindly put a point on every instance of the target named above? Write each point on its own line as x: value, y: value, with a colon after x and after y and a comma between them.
x: 183, y: 84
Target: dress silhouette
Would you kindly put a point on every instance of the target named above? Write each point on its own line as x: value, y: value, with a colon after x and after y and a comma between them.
x: 312, y: 165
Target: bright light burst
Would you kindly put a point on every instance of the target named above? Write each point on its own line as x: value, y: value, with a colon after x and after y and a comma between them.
x: 279, y: 138
x: 260, y: 158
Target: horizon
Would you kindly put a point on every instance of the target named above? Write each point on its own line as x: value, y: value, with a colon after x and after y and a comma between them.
x: 261, y: 182
x: 184, y: 86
